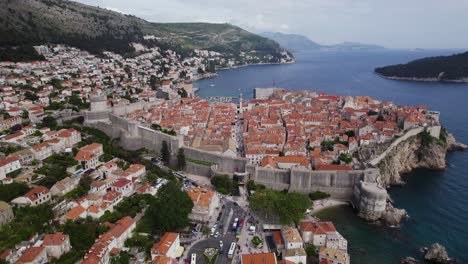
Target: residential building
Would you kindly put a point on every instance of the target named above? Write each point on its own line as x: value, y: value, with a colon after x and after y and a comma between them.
x: 292, y: 238
x: 41, y: 151
x: 336, y: 240
x: 64, y: 186
x: 334, y: 255
x: 295, y: 255
x: 205, y: 202
x: 56, y: 244
x: 33, y: 255
x: 34, y: 197
x: 168, y: 245
x: 259, y: 258
x: 316, y: 232
x: 123, y: 186
x: 8, y: 165
x: 112, y: 240
x: 88, y: 156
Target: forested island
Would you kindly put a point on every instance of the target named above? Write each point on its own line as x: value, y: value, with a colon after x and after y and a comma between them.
x: 453, y: 68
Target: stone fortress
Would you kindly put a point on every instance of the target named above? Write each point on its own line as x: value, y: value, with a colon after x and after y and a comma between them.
x: 362, y: 188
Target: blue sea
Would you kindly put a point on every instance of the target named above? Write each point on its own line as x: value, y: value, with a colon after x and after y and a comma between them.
x: 437, y: 201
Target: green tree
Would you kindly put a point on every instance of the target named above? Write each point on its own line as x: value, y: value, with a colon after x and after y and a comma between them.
x: 31, y: 96
x: 165, y: 154
x: 222, y: 183
x: 206, y: 231
x: 289, y: 207
x: 182, y: 93
x: 311, y: 250
x: 10, y: 191
x: 181, y: 159
x: 318, y: 195
x: 170, y: 210
x: 49, y: 121
x: 25, y: 114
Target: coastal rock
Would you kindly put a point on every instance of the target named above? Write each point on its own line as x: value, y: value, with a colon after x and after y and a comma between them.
x: 453, y: 144
x: 393, y: 216
x: 409, y: 260
x: 409, y: 155
x: 437, y: 254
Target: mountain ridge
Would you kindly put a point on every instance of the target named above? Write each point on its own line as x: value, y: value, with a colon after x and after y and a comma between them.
x: 297, y: 42
x: 34, y: 22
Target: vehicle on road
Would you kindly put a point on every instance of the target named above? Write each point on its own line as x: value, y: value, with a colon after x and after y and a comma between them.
x: 193, y: 259
x: 221, y: 245
x: 234, y: 225
x: 231, y: 250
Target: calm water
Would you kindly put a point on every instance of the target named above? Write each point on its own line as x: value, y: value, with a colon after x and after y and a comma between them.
x: 435, y: 200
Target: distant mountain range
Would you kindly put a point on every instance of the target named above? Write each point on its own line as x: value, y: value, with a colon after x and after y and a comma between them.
x: 34, y: 22
x: 453, y: 68
x: 297, y: 43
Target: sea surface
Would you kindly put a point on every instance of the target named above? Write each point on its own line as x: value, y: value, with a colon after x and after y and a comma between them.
x: 437, y: 201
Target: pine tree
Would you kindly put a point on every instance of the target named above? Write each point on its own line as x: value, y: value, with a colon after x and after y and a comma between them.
x: 165, y: 154
x: 181, y: 159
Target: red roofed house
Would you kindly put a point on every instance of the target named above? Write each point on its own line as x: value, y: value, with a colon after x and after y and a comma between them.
x: 112, y: 240
x: 8, y: 164
x: 70, y: 136
x: 135, y: 171
x: 33, y: 255
x: 34, y: 197
x: 56, y: 244
x: 123, y: 186
x: 75, y: 213
x: 168, y: 245
x: 316, y: 232
x: 41, y: 151
x: 88, y: 156
x: 259, y: 258
x: 204, y: 203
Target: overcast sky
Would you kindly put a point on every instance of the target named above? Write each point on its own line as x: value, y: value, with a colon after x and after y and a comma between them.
x: 390, y: 23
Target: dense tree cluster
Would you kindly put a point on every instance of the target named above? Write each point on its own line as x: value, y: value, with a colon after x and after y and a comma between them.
x: 223, y: 184
x: 289, y: 207
x: 162, y: 215
x: 444, y: 68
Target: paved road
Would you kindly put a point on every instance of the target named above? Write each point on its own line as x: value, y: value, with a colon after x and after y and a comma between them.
x: 227, y: 235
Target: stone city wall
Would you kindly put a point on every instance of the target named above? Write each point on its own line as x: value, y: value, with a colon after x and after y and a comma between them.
x: 225, y: 165
x: 198, y: 169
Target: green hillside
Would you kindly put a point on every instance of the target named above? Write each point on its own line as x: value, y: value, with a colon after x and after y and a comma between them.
x: 32, y: 22
x: 441, y: 68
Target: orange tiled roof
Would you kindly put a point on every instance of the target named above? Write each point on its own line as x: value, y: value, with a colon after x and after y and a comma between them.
x: 54, y: 239
x: 75, y: 213
x: 259, y: 258
x: 321, y: 228
x: 164, y: 243
x: 30, y: 254
x: 201, y: 196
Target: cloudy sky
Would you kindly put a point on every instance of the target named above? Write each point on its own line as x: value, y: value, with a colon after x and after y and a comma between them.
x: 391, y: 23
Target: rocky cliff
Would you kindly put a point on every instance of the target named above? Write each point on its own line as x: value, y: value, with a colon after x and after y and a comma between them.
x: 416, y: 153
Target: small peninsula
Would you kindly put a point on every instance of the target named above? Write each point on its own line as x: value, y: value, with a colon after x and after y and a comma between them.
x: 453, y: 68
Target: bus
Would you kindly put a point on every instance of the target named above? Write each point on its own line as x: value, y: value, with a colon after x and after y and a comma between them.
x: 231, y: 250
x: 193, y: 259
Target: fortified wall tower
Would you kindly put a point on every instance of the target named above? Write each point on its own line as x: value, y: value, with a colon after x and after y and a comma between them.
x: 99, y: 111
